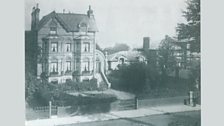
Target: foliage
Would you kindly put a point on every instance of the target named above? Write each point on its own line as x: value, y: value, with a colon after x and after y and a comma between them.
x: 42, y: 92
x: 195, y: 75
x: 134, y: 77
x: 91, y: 103
x: 167, y: 59
x: 116, y: 48
x: 191, y: 29
x: 79, y: 86
x: 31, y: 87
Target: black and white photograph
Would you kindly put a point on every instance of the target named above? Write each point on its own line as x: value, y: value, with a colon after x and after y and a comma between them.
x: 112, y: 62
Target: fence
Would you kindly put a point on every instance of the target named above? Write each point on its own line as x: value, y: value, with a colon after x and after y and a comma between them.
x: 142, y: 103
x: 119, y: 105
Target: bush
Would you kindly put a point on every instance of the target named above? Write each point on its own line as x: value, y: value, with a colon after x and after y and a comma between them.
x: 95, y: 103
x: 79, y: 86
x: 135, y: 77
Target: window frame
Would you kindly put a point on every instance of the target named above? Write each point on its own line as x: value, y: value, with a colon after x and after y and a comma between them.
x: 54, y: 70
x: 88, y: 46
x: 54, y: 31
x: 53, y: 48
x: 68, y: 66
x: 66, y: 47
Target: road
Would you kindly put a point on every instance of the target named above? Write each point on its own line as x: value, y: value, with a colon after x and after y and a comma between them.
x: 187, y: 118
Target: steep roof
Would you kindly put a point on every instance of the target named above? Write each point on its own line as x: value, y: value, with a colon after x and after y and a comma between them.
x: 70, y: 21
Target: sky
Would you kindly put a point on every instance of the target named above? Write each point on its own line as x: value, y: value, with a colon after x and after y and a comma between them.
x: 120, y: 21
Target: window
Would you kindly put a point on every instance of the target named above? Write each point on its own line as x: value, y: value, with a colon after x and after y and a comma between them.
x: 68, y: 47
x: 86, y: 46
x: 121, y: 61
x: 86, y: 65
x: 54, y: 47
x: 53, y: 30
x: 53, y: 27
x: 68, y: 66
x: 54, y: 67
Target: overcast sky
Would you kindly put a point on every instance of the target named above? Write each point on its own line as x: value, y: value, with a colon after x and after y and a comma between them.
x: 120, y: 21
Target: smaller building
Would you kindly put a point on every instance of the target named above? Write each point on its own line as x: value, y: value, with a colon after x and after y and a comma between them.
x: 124, y: 57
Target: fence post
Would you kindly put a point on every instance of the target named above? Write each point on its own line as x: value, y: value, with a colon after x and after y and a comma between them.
x: 191, y: 97
x: 136, y: 102
x: 49, y: 109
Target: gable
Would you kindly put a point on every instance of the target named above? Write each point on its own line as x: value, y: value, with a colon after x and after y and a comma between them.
x: 52, y: 22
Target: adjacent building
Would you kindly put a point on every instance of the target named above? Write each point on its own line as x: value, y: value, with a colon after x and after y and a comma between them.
x: 181, y: 51
x: 126, y: 57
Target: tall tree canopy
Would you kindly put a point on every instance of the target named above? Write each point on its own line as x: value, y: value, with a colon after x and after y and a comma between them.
x: 191, y: 29
x: 167, y: 59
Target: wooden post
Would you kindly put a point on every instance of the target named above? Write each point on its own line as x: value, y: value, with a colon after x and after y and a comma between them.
x: 191, y: 96
x: 50, y: 109
x: 136, y: 102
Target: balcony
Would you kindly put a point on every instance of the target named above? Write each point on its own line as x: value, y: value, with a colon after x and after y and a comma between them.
x: 53, y: 73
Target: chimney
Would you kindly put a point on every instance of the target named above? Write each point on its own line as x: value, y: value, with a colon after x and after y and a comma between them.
x: 35, y: 17
x: 146, y: 43
x: 90, y: 12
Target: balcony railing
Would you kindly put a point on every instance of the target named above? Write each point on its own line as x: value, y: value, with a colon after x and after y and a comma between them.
x: 68, y: 72
x: 87, y: 73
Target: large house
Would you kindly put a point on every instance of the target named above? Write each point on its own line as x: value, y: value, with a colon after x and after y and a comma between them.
x: 66, y: 47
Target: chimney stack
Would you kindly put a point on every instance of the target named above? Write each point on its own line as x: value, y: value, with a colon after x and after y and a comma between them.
x: 146, y: 43
x: 90, y: 12
x: 35, y: 17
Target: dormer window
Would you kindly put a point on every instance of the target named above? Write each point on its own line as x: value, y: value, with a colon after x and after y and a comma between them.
x: 83, y: 27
